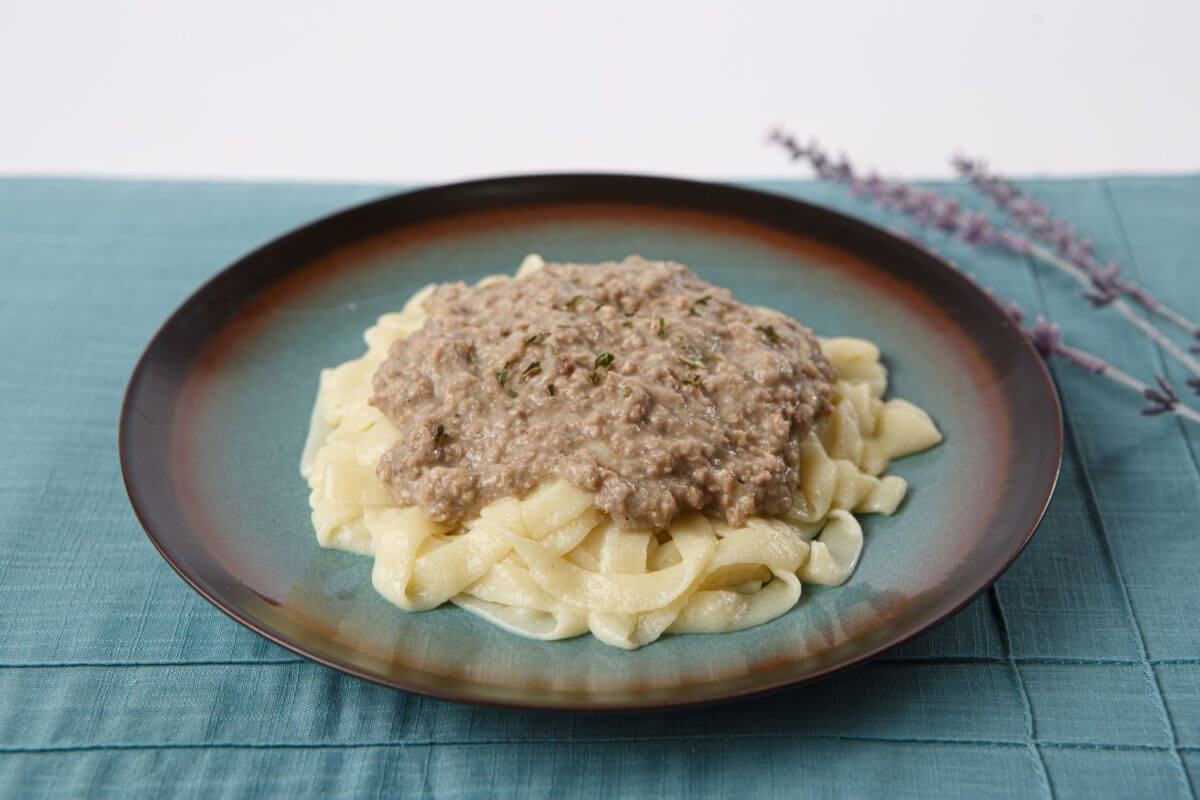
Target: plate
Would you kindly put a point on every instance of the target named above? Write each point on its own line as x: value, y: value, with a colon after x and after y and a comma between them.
x: 217, y: 409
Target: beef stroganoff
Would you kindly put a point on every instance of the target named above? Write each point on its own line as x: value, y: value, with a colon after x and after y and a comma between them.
x: 620, y: 448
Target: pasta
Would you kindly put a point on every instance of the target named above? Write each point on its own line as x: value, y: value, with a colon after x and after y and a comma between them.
x: 549, y: 566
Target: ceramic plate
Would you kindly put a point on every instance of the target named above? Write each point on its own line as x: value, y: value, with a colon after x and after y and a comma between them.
x: 217, y: 410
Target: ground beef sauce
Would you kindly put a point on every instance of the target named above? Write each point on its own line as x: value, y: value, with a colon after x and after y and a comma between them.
x: 634, y: 380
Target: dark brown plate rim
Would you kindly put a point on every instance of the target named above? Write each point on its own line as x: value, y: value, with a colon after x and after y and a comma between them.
x: 419, y: 206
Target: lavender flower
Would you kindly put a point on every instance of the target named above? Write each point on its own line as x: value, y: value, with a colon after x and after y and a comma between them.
x: 926, y: 206
x: 1034, y: 217
x: 946, y: 214
x: 1101, y: 285
x: 1162, y: 397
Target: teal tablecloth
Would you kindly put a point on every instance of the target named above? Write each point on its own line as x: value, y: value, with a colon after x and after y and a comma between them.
x: 1078, y: 676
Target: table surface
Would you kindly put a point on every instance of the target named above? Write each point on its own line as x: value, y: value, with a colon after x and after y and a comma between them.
x: 1078, y: 674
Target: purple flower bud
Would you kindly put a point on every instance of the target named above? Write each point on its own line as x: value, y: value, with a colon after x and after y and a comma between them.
x: 1004, y: 194
x: 1099, y: 297
x: 1018, y: 209
x: 963, y: 164
x: 946, y: 215
x: 1162, y: 397
x: 842, y: 170
x: 1103, y: 290
x: 1086, y: 262
x: 1044, y: 336
x: 975, y: 229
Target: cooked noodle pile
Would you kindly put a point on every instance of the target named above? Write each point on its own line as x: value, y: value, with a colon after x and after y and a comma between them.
x: 549, y: 566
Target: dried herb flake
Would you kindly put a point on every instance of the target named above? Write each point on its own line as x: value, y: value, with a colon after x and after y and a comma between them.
x: 768, y: 331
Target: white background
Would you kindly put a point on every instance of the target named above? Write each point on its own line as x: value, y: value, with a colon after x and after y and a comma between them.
x: 373, y: 91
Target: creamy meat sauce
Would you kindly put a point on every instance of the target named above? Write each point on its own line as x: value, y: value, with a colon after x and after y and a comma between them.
x: 634, y: 380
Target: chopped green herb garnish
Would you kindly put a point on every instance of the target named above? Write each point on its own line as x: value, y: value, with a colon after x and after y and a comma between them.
x: 694, y: 380
x: 768, y: 331
x: 631, y: 313
x: 571, y: 303
x: 626, y: 324
x: 439, y: 435
x: 692, y: 311
x: 502, y: 375
x: 534, y: 368
x: 595, y: 377
x: 603, y: 360
x: 662, y: 328
x: 627, y: 391
x: 704, y: 300
x: 510, y: 393
x: 550, y: 390
x: 537, y: 338
x: 598, y: 307
x: 690, y: 362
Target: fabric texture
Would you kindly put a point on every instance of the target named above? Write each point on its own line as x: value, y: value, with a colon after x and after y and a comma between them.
x: 1077, y: 675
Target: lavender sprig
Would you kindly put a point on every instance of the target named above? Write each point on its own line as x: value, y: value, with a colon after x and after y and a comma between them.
x: 932, y: 209
x: 945, y: 214
x: 1163, y: 399
x: 1035, y: 217
x: 1047, y: 339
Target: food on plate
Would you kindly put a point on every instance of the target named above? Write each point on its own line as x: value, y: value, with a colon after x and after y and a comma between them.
x: 621, y: 448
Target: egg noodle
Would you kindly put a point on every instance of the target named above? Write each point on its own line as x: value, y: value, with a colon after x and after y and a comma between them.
x: 549, y: 566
